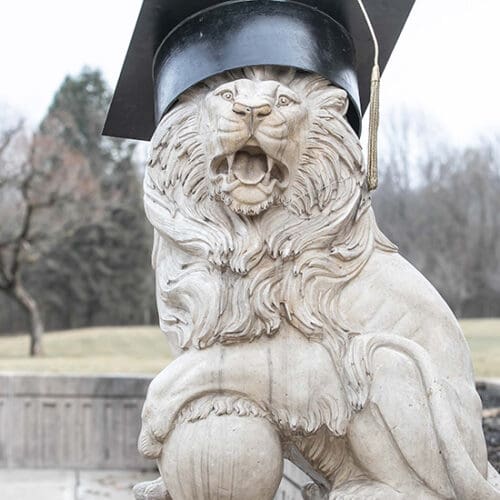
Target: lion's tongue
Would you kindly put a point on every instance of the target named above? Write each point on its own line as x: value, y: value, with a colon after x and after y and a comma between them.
x: 249, y: 169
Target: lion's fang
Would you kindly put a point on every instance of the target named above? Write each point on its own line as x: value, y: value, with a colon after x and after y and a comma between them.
x: 270, y: 163
x: 230, y: 161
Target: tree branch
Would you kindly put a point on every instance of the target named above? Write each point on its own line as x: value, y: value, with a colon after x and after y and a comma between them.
x: 9, y: 134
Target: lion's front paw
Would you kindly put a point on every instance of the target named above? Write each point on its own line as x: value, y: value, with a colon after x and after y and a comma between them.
x: 151, y: 490
x: 366, y: 490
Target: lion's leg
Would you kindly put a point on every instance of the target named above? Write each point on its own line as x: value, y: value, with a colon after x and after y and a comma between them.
x: 393, y: 437
x: 390, y: 451
x: 245, y: 371
x: 333, y: 458
x: 222, y: 457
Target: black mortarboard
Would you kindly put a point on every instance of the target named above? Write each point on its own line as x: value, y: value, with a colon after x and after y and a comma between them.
x: 178, y: 43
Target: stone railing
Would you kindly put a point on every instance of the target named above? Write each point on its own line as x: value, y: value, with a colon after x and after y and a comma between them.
x: 82, y: 422
x: 79, y: 422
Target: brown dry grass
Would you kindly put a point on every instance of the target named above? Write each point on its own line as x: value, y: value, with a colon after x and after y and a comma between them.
x: 132, y: 349
x: 143, y: 349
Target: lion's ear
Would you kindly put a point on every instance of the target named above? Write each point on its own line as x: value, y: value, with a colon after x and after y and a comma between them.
x: 336, y: 100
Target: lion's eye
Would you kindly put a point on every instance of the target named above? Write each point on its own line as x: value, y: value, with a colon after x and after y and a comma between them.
x: 284, y: 100
x: 227, y: 95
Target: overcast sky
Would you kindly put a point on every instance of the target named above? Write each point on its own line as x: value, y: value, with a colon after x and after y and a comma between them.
x: 446, y: 63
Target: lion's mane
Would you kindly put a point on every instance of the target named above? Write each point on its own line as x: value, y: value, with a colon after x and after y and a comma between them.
x: 227, y: 277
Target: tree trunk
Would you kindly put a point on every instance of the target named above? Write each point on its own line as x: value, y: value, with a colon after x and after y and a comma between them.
x: 36, y: 323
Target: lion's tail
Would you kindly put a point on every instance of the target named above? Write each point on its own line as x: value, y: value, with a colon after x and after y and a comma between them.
x: 466, y: 480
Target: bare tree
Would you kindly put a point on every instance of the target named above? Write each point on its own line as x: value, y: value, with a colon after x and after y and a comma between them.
x: 71, y: 220
x: 441, y: 205
x: 15, y: 181
x: 43, y: 188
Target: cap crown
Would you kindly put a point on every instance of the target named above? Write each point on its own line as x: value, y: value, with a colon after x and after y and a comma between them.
x: 195, y: 39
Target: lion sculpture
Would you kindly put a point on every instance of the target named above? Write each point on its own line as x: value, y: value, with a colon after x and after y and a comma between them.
x: 301, y: 333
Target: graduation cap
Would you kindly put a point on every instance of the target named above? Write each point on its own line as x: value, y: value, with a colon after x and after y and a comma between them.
x: 178, y: 43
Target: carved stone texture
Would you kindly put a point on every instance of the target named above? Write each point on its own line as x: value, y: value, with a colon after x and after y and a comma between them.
x: 302, y: 333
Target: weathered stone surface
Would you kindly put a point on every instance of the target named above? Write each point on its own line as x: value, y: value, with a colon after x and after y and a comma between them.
x: 494, y: 477
x: 292, y: 309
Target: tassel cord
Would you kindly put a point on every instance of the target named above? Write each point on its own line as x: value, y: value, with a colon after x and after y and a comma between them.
x: 372, y: 174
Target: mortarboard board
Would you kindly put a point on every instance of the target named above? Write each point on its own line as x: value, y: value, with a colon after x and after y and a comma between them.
x: 178, y: 43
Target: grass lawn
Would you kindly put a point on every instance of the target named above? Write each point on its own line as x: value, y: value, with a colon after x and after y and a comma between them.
x: 483, y: 336
x: 143, y: 349
x: 130, y: 349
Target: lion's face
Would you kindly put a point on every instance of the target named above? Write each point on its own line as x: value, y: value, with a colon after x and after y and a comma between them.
x: 254, y: 132
x: 256, y: 189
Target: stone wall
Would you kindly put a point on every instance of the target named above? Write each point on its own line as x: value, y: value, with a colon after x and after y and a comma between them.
x: 82, y: 422
x: 71, y: 421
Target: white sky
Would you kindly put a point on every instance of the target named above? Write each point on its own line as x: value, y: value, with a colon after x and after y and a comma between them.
x: 447, y: 62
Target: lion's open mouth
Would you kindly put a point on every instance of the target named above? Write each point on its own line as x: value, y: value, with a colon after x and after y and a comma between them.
x: 249, y: 175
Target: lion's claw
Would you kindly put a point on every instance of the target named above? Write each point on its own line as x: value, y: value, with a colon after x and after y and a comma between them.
x: 151, y: 490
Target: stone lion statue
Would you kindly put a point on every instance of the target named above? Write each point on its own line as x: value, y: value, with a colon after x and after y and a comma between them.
x: 300, y: 332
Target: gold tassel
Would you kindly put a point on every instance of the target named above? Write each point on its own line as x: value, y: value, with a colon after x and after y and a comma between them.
x: 372, y: 175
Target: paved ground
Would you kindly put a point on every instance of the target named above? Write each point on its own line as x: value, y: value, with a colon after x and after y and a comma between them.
x: 36, y: 484
x: 28, y: 484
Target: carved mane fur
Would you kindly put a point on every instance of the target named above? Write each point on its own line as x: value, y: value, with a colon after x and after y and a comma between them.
x: 228, y: 277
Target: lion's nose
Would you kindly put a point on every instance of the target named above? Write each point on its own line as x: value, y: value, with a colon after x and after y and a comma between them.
x: 253, y: 111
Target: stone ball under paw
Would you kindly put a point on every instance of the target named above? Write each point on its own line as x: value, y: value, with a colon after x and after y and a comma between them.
x: 222, y: 457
